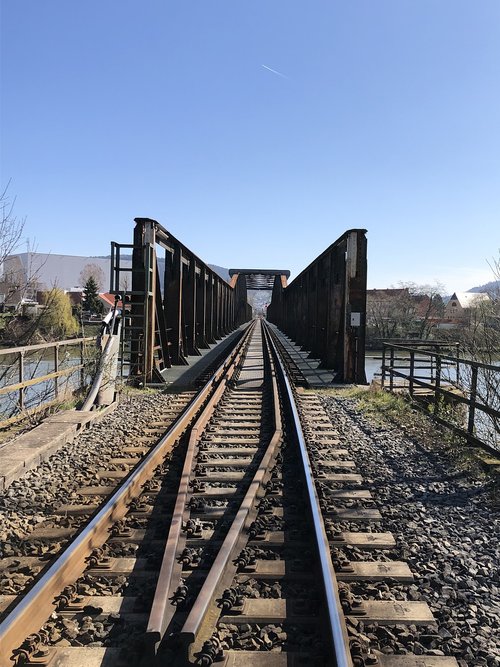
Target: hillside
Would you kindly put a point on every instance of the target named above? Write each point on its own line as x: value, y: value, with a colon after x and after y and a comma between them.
x: 492, y: 286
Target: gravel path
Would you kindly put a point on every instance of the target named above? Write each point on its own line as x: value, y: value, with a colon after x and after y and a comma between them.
x: 445, y: 524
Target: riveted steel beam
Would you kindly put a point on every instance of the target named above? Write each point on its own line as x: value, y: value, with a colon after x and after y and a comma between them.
x: 178, y: 305
x: 324, y: 308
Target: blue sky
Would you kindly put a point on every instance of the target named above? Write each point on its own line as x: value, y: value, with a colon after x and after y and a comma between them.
x: 387, y: 117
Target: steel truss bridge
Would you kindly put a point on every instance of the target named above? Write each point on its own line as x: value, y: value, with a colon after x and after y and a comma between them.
x: 175, y: 305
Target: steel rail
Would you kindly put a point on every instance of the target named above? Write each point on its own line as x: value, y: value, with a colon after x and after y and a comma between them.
x: 33, y: 609
x: 335, y: 621
x: 161, y: 610
x: 159, y: 616
x: 193, y: 624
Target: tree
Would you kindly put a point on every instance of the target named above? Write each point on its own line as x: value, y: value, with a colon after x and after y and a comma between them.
x: 56, y: 319
x: 91, y: 301
x: 480, y: 341
x: 11, y: 227
x: 92, y: 271
x: 11, y: 231
x: 406, y: 311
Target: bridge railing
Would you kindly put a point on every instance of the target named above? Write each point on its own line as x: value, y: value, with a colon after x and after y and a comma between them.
x: 463, y: 395
x: 35, y: 375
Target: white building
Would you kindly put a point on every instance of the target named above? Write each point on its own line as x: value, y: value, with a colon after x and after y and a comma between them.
x: 461, y: 303
x: 27, y: 273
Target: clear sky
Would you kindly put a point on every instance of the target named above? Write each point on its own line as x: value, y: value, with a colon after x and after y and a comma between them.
x: 379, y: 114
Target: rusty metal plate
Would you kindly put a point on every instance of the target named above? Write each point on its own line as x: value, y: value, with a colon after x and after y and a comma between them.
x: 388, y: 612
x: 375, y: 571
x: 119, y: 566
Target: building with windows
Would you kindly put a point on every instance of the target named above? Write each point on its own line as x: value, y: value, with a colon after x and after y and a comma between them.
x: 27, y: 275
x: 461, y: 304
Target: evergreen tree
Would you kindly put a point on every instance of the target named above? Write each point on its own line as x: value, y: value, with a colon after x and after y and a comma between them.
x: 91, y: 301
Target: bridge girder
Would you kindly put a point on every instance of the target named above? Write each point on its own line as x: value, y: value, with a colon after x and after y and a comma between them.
x: 324, y: 308
x: 177, y: 307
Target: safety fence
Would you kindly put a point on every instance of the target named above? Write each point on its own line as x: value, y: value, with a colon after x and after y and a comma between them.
x: 34, y: 375
x: 462, y: 394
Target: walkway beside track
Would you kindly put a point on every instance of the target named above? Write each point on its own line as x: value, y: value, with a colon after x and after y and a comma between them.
x: 252, y: 373
x: 315, y: 376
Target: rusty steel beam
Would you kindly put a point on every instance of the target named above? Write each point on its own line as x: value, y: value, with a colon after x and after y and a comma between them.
x: 177, y: 307
x: 324, y: 308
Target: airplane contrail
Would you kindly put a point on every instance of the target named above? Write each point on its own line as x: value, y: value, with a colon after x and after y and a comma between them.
x: 275, y: 71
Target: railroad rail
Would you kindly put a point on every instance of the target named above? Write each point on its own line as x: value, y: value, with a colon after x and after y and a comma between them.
x: 228, y: 542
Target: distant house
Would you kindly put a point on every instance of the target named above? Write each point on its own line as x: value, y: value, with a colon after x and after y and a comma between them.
x: 397, y: 313
x: 28, y: 273
x: 108, y: 302
x: 382, y: 300
x: 461, y: 304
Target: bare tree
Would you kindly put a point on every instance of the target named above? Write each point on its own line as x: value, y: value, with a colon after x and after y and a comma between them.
x: 11, y: 227
x: 406, y: 311
x: 92, y: 271
x: 480, y: 341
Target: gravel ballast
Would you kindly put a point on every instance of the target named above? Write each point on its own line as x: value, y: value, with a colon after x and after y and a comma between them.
x: 445, y: 523
x: 31, y: 500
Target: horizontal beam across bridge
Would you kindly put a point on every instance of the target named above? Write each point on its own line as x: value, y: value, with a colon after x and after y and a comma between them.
x: 259, y: 279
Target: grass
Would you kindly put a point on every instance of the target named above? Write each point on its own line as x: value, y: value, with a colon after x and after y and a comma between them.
x: 383, y: 408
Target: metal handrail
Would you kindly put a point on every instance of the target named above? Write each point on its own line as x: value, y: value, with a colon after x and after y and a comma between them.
x: 21, y: 353
x: 438, y: 390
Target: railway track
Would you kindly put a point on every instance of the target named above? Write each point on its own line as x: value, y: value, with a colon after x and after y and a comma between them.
x: 243, y: 537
